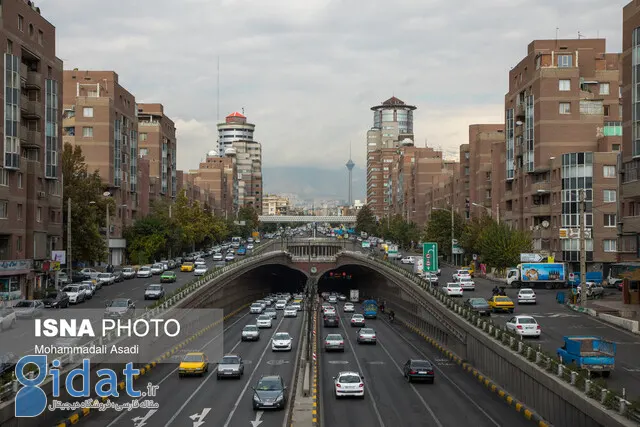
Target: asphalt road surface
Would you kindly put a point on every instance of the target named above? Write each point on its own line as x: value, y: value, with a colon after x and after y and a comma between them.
x: 455, y: 398
x: 217, y: 403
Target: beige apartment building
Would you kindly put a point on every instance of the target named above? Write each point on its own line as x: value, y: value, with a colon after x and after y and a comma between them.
x: 157, y: 142
x: 31, y: 214
x: 218, y: 175
x: 248, y: 161
x: 482, y: 138
x: 273, y: 204
x: 101, y: 117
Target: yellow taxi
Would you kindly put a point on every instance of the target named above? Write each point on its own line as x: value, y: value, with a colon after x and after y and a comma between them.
x: 187, y: 266
x: 501, y: 303
x: 193, y: 364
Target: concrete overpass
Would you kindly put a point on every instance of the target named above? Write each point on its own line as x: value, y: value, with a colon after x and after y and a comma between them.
x: 333, y: 219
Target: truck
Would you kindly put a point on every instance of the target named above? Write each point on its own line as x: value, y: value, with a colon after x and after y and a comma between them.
x: 354, y: 295
x: 551, y: 275
x: 418, y: 266
x: 588, y: 352
x: 591, y: 276
x: 370, y: 309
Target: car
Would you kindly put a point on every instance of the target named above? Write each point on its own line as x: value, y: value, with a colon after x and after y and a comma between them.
x: 230, y: 365
x: 431, y: 278
x: 271, y: 312
x: 75, y: 294
x: 479, y: 306
x: 128, y: 273
x: 195, y: 363
x: 526, y: 296
x: 281, y: 341
x: 461, y: 274
x: 144, y: 272
x: 342, y: 297
x: 418, y: 370
x: 168, y: 276
x: 525, y: 326
x: 28, y: 309
x: 119, y: 308
x: 453, y: 289
x: 349, y: 307
x: 8, y: 317
x: 157, y: 268
x: 199, y: 261
x: 290, y: 311
x: 187, y: 267
x: 348, y: 383
x: 296, y: 305
x: 357, y: 320
x: 281, y: 304
x: 118, y: 275
x: 467, y: 284
x: 250, y: 240
x: 262, y: 303
x: 334, y: 342
x: 501, y: 303
x: 367, y: 335
x: 218, y: 256
x: 250, y: 333
x: 229, y: 256
x: 256, y: 308
x: 264, y: 321
x: 333, y: 299
x: 105, y: 279
x: 331, y: 320
x: 154, y: 292
x: 269, y: 393
x: 408, y: 260
x: 250, y: 246
x: 200, y: 270
x: 88, y: 288
x: 55, y: 299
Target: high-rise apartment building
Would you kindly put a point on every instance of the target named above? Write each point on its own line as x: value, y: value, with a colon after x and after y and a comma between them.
x: 101, y: 117
x: 30, y: 173
x: 392, y: 127
x: 157, y: 141
x: 218, y: 175
x: 235, y: 127
x: 482, y: 137
x: 562, y: 118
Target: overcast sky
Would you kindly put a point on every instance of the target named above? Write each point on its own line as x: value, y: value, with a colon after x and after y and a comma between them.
x: 307, y: 71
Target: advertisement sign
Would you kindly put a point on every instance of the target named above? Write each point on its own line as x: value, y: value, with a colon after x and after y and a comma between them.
x: 430, y: 257
x: 59, y: 256
x: 366, y: 244
x: 543, y: 272
x: 530, y: 257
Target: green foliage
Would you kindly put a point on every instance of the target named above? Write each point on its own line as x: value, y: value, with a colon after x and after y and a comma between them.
x: 268, y: 227
x: 500, y: 246
x: 438, y: 230
x: 366, y: 221
x: 471, y: 233
x: 88, y: 207
x: 249, y: 215
x: 398, y: 230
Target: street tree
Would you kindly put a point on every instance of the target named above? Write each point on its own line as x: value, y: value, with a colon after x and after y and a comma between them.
x: 249, y: 215
x: 398, y: 230
x: 147, y: 239
x: 500, y: 246
x: 88, y: 207
x: 438, y: 230
x: 366, y: 221
x: 472, y: 231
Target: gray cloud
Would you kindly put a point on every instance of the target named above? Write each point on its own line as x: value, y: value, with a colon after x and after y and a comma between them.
x: 307, y: 72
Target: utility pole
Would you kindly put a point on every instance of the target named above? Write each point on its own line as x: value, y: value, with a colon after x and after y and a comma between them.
x: 583, y: 252
x: 170, y: 217
x: 453, y: 256
x: 108, y: 235
x: 498, y: 213
x: 68, y: 257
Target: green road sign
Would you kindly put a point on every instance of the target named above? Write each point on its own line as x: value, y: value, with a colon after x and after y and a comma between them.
x: 430, y: 257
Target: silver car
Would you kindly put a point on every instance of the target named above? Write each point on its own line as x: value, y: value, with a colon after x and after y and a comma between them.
x: 231, y: 365
x: 106, y: 279
x: 250, y: 333
x: 27, y: 309
x: 272, y: 312
x: 334, y: 342
x: 367, y: 335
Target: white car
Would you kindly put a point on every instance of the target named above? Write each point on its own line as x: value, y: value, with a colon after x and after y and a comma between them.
x: 462, y: 274
x: 199, y: 261
x: 290, y: 312
x: 144, y: 272
x: 200, y: 270
x: 431, y: 277
x: 256, y: 308
x: 264, y: 321
x: 348, y: 384
x: 75, y: 294
x: 281, y: 341
x: 329, y: 310
x: 453, y: 289
x: 526, y: 296
x: 349, y: 307
x: 408, y: 260
x: 157, y: 269
x: 525, y: 326
x: 281, y: 304
x: 218, y: 256
x: 229, y: 257
x: 333, y: 299
x: 105, y: 279
x: 250, y: 246
x: 296, y: 305
x: 467, y: 284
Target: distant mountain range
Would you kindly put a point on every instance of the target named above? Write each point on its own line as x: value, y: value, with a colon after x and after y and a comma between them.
x: 314, y: 183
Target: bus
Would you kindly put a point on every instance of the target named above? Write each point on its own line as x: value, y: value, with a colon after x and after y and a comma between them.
x: 616, y: 271
x: 235, y: 242
x: 370, y: 309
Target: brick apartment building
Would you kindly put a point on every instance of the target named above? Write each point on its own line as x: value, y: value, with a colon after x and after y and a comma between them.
x: 216, y: 174
x: 30, y: 173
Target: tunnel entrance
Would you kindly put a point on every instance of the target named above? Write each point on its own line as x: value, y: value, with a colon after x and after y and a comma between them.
x: 275, y: 278
x: 346, y: 277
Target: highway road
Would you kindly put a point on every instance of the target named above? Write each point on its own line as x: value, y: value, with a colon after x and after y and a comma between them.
x: 220, y: 403
x: 455, y: 398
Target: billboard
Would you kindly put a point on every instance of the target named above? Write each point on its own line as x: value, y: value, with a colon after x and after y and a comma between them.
x: 545, y: 272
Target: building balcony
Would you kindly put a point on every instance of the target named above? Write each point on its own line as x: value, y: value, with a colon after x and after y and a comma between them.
x: 541, y: 187
x: 30, y: 109
x: 34, y: 80
x: 537, y: 210
x: 519, y: 111
x: 631, y: 190
x: 538, y: 232
x: 30, y: 138
x: 631, y: 224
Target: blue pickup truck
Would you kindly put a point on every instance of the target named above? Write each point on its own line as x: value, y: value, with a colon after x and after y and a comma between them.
x: 591, y: 353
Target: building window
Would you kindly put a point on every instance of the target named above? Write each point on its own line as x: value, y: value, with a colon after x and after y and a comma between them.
x: 4, y: 177
x: 605, y: 88
x: 609, y: 171
x: 466, y: 170
x: 9, y: 47
x: 4, y: 209
x: 87, y: 112
x: 615, y: 147
x: 610, y: 245
x: 19, y: 179
x: 487, y: 194
x: 40, y: 37
x: 21, y: 23
x: 144, y: 136
x: 466, y: 155
x: 609, y: 196
x: 605, y: 110
x: 87, y: 132
x: 609, y: 220
x: 52, y: 123
x: 564, y: 85
x: 39, y: 214
x: 11, y: 111
x: 565, y: 108
x: 564, y: 61
x: 19, y: 213
x: 612, y: 129
x: 591, y: 107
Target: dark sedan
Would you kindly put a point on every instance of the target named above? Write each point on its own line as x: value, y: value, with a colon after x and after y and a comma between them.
x: 269, y: 393
x: 56, y: 300
x: 418, y: 370
x: 479, y: 306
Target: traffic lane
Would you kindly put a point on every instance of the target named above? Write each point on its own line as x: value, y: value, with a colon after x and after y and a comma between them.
x: 455, y: 397
x: 230, y: 400
x: 165, y: 377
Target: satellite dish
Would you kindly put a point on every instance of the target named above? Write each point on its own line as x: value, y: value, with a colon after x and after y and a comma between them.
x: 545, y: 224
x: 106, y: 194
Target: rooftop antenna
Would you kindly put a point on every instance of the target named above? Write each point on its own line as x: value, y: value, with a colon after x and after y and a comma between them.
x: 579, y: 35
x: 243, y: 111
x: 218, y: 95
x: 557, y: 34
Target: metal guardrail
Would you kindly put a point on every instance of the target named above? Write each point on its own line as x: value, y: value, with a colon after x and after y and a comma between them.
x: 548, y: 363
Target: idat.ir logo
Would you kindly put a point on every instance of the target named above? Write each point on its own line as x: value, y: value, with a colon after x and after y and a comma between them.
x: 31, y: 400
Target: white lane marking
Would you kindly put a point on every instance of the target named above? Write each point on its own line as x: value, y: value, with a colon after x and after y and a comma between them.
x: 413, y: 387
x: 172, y: 372
x: 246, y: 386
x: 457, y: 387
x: 355, y: 356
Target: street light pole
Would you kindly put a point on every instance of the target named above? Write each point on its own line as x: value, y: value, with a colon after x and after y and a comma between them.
x: 68, y: 257
x: 453, y: 256
x: 108, y: 237
x: 583, y: 252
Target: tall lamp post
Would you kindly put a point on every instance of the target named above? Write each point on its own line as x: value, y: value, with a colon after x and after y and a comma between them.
x: 490, y: 211
x: 108, y: 230
x: 453, y: 256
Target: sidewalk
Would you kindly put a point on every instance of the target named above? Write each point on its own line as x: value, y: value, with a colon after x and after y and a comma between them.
x: 615, y: 312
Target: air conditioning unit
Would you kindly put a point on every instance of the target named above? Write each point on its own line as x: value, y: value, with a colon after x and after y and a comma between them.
x: 41, y: 194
